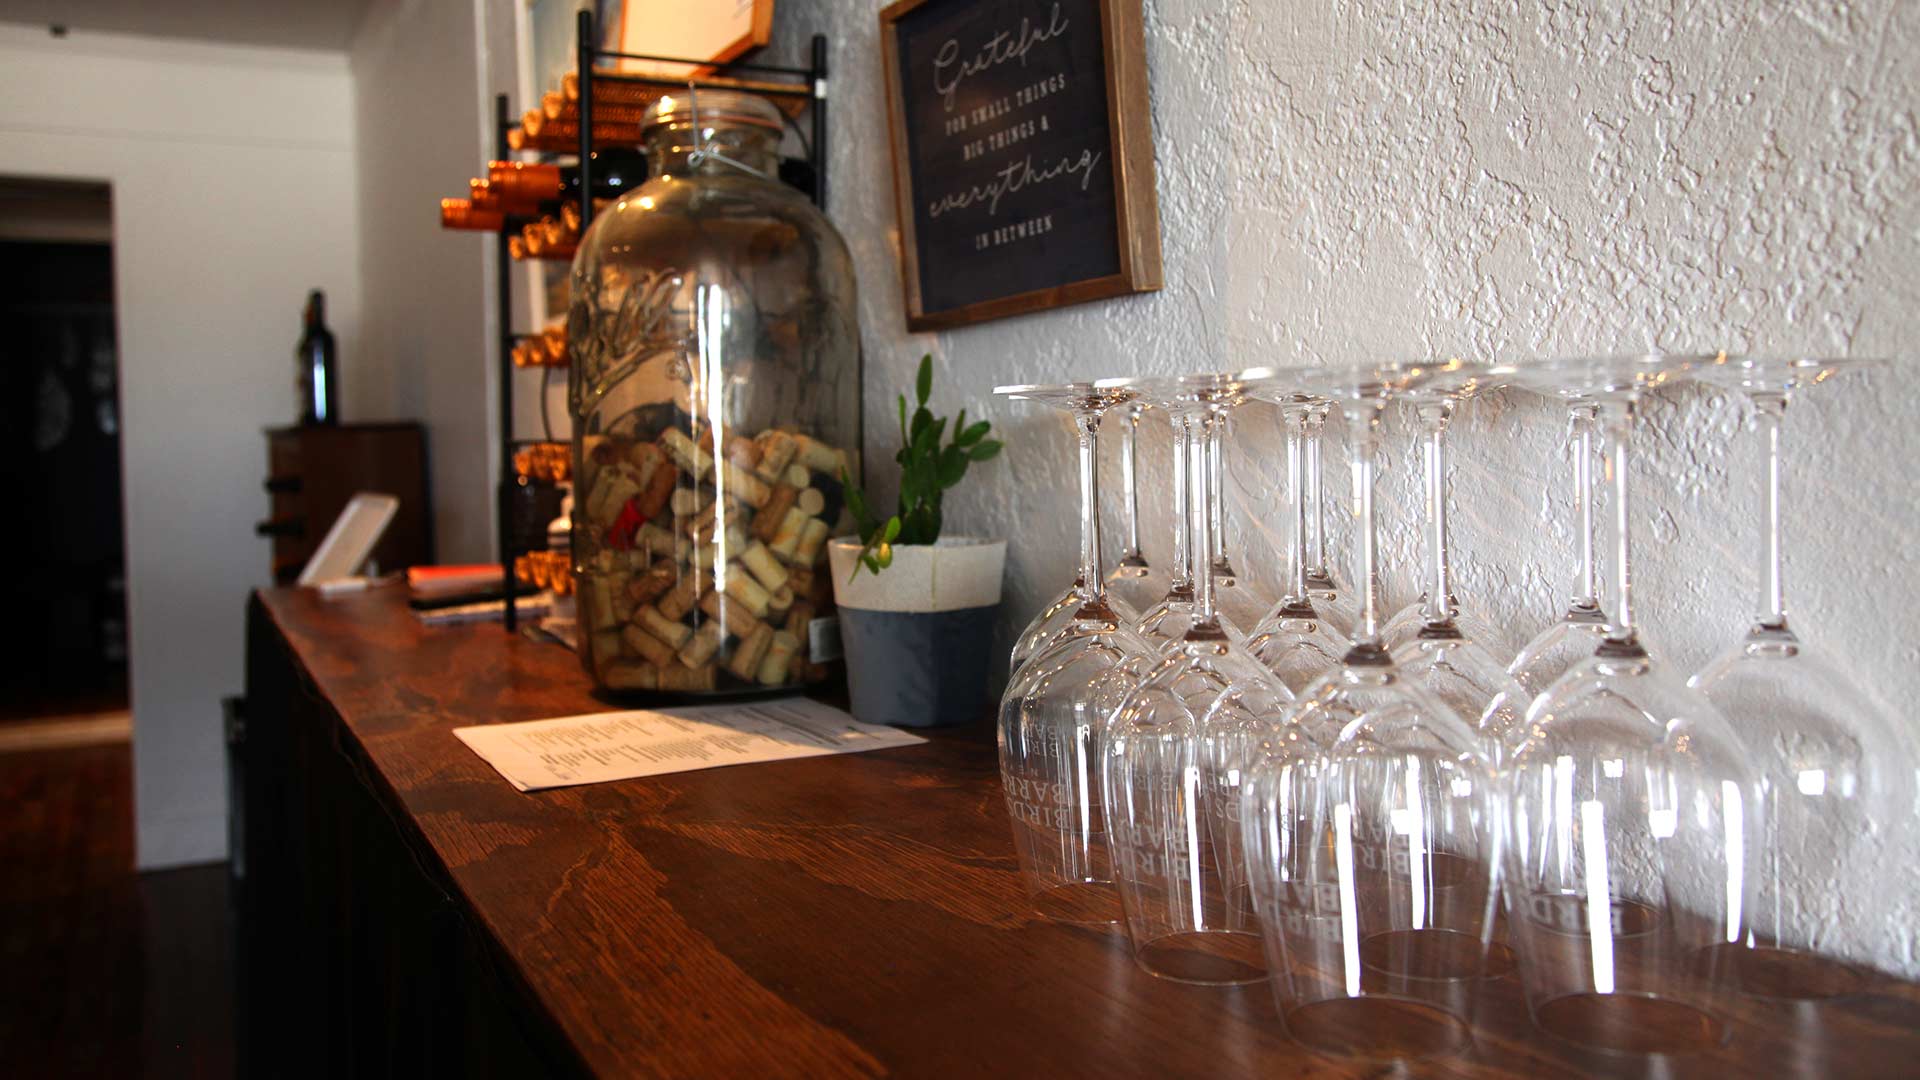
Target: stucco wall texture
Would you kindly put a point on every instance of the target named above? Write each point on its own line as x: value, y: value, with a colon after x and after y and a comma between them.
x: 1360, y: 178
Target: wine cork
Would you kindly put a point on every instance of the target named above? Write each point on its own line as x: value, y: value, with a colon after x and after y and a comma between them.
x: 743, y: 486
x: 603, y: 648
x: 743, y: 452
x: 767, y: 520
x: 800, y: 580
x: 690, y: 458
x: 628, y: 675
x: 645, y: 457
x: 798, y: 617
x: 643, y: 644
x: 745, y: 663
x: 687, y: 502
x: 619, y: 590
x: 786, y: 539
x: 650, y: 584
x: 780, y: 602
x: 702, y: 645
x: 797, y: 475
x: 812, y: 502
x: 818, y: 456
x: 678, y: 677
x: 764, y: 567
x: 730, y: 614
x: 813, y: 540
x: 685, y: 593
x: 779, y: 658
x: 653, y: 498
x: 612, y: 487
x: 655, y: 541
x: 776, y: 449
x: 667, y: 629
x: 597, y: 597
x: 742, y: 587
x: 736, y: 538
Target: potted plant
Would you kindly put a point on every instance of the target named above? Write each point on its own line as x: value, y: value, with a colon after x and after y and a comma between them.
x: 917, y: 609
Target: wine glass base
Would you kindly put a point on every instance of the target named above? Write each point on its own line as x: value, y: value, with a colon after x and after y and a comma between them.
x: 1083, y: 903
x: 1631, y: 1024
x: 1378, y: 1028
x: 1785, y: 974
x: 1205, y: 957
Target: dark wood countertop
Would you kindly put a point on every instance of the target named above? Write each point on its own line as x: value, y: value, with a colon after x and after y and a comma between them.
x: 844, y: 916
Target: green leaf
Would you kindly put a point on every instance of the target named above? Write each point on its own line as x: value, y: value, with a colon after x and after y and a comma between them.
x: 892, y: 531
x: 953, y: 465
x: 959, y: 425
x: 924, y: 384
x: 985, y: 451
x: 921, y: 418
x: 886, y: 555
x: 973, y: 434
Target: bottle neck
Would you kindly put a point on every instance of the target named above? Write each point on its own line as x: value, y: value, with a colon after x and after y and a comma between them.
x: 678, y: 150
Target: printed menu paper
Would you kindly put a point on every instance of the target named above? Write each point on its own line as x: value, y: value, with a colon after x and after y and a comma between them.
x: 590, y: 749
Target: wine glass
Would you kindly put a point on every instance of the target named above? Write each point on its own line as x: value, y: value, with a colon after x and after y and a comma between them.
x: 1165, y: 624
x: 1133, y: 581
x: 1293, y: 641
x: 1433, y: 405
x: 1231, y: 594
x: 1051, y: 717
x: 1060, y: 611
x: 1172, y: 782
x: 1446, y: 653
x: 1574, y: 636
x: 1631, y: 823
x: 1834, y: 770
x: 1373, y: 837
x: 1332, y: 598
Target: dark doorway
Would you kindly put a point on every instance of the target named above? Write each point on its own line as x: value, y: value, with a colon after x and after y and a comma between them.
x: 65, y: 651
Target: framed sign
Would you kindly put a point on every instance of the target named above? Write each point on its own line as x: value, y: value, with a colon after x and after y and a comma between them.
x: 1022, y: 155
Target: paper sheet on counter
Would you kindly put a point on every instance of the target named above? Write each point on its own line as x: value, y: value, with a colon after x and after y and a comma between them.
x: 539, y: 754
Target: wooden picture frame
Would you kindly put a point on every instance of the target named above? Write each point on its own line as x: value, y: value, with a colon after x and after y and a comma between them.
x: 1043, y: 33
x: 712, y: 30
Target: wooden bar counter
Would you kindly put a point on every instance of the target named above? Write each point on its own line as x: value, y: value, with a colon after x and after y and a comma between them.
x: 405, y: 911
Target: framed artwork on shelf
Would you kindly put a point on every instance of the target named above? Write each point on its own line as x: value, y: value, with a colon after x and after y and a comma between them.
x: 1022, y: 155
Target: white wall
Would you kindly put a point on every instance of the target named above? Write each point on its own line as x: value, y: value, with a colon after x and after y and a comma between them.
x: 1366, y: 177
x: 233, y: 195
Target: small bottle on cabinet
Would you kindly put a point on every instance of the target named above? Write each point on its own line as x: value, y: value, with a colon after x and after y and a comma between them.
x: 316, y: 372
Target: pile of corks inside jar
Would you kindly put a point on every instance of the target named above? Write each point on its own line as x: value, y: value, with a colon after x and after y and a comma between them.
x: 659, y: 516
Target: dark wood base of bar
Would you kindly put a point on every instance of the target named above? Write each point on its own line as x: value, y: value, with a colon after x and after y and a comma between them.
x: 407, y: 912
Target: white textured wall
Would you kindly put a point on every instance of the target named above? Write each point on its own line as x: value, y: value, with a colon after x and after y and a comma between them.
x: 232, y: 174
x: 1370, y: 178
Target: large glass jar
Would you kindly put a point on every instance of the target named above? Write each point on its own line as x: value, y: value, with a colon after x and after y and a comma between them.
x: 716, y: 408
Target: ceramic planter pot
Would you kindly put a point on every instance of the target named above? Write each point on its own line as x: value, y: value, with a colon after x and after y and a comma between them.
x: 919, y: 635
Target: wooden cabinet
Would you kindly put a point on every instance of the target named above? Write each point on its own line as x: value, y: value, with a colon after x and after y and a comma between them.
x: 313, y: 472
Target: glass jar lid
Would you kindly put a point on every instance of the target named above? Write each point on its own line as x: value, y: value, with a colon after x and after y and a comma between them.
x: 713, y: 108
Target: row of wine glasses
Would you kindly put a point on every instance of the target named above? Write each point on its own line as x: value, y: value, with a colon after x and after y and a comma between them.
x: 1377, y: 816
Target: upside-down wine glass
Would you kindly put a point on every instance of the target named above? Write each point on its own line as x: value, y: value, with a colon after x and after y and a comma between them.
x: 1835, y: 775
x: 1433, y: 406
x: 1051, y: 717
x: 1579, y: 631
x: 1374, y: 840
x: 1631, y: 824
x: 1293, y: 641
x: 1446, y: 653
x: 1165, y: 623
x: 1231, y: 594
x: 1061, y: 611
x: 1333, y: 598
x: 1133, y: 581
x: 1172, y: 784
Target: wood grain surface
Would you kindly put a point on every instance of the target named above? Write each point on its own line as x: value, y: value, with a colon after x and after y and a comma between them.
x: 858, y: 915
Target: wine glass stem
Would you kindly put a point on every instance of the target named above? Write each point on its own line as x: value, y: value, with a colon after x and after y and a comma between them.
x: 1216, y: 493
x: 1203, y: 519
x: 1586, y: 589
x: 1295, y: 416
x: 1182, y: 575
x: 1129, y: 449
x: 1316, y: 534
x: 1087, y: 423
x: 1434, y: 415
x: 1617, y: 415
x: 1363, y: 418
x: 1769, y: 409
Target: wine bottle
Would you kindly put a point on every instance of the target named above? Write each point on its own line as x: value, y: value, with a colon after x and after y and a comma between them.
x: 316, y: 366
x: 615, y: 172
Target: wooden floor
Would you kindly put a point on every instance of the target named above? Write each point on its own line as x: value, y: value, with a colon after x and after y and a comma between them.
x: 103, y: 972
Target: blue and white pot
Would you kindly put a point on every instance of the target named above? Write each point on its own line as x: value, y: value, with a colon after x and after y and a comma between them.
x: 919, y: 634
